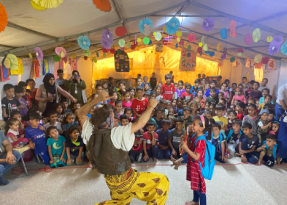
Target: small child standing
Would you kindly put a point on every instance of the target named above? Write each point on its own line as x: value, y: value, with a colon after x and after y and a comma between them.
x: 168, y: 89
x: 19, y: 96
x: 218, y: 141
x: 248, y: 144
x: 139, y: 104
x: 60, y: 112
x: 263, y: 125
x: 200, y: 100
x: 163, y: 133
x: 180, y: 89
x: 194, y: 107
x: 255, y: 93
x: 174, y: 138
x: 187, y: 95
x: 268, y: 152
x: 119, y: 108
x: 9, y: 103
x: 74, y: 146
x: 150, y: 142
x: 126, y: 102
x: 251, y: 118
x: 195, y: 154
x: 33, y: 90
x: 238, y: 96
x: 56, y: 148
x: 37, y: 137
x: 186, y: 116
x: 158, y: 93
x: 12, y: 134
x: 212, y: 98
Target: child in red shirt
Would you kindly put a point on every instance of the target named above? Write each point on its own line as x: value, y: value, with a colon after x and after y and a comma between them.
x: 187, y: 95
x: 239, y: 109
x: 31, y: 84
x: 113, y: 98
x: 168, y: 89
x: 139, y: 104
x: 150, y: 142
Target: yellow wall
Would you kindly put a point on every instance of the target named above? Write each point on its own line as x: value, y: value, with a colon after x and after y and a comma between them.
x: 146, y: 61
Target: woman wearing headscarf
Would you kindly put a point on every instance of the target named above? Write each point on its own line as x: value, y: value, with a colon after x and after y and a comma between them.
x: 47, y: 92
x: 76, y: 87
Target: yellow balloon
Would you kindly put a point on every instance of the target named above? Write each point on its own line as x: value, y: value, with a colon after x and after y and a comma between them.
x: 269, y: 39
x: 164, y: 28
x: 178, y: 33
x: 62, y: 54
x: 200, y: 44
x: 178, y: 39
x: 139, y: 40
x: 37, y: 7
x: 154, y: 33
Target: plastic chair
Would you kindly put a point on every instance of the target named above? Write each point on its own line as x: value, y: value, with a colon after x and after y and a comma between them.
x: 21, y: 150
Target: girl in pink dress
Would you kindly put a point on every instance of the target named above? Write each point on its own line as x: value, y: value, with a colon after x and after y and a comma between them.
x: 12, y: 134
x: 238, y: 96
x: 199, y: 127
x: 224, y: 90
x: 127, y: 102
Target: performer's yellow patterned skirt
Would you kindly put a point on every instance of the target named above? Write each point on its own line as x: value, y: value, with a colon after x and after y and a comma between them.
x: 146, y: 186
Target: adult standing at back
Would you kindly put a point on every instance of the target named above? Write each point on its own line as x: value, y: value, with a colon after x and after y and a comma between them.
x: 47, y: 94
x: 153, y: 81
x: 281, y: 103
x: 263, y: 84
x: 77, y: 87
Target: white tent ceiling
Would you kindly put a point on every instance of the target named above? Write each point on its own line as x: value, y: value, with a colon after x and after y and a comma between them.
x: 28, y: 28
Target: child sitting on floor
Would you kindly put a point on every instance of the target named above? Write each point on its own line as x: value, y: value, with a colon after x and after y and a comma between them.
x: 239, y: 109
x: 69, y: 121
x: 274, y: 128
x: 124, y: 120
x: 247, y: 145
x: 150, y: 142
x: 119, y: 108
x: 52, y: 116
x: 163, y: 133
x: 267, y: 101
x: 56, y: 148
x: 251, y: 118
x: 231, y: 118
x: 136, y: 152
x: 233, y: 136
x: 74, y: 146
x: 12, y: 134
x: 239, y: 96
x: 268, y: 152
x: 263, y: 126
x: 218, y: 141
x: 159, y: 111
x: 58, y: 108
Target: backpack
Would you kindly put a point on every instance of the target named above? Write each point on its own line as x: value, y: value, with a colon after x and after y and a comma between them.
x: 222, y: 136
x: 209, y: 162
x: 231, y: 132
x: 274, y: 149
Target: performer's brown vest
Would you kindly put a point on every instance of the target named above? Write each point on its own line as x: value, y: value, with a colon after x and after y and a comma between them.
x: 108, y: 159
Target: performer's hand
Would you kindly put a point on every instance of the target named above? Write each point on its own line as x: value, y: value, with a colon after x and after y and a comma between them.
x: 153, y: 103
x: 103, y: 96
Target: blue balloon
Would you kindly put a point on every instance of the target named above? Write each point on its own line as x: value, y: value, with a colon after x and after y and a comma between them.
x: 223, y: 33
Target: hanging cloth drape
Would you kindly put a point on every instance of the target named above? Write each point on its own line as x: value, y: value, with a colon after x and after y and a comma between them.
x: 20, y: 68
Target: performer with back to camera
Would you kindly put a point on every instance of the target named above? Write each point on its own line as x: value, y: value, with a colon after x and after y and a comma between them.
x: 109, y: 149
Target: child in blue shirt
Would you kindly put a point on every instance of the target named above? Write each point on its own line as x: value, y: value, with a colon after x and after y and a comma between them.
x: 37, y: 137
x: 233, y: 136
x: 159, y: 112
x: 56, y: 148
x: 218, y: 141
x: 69, y: 121
x: 163, y: 134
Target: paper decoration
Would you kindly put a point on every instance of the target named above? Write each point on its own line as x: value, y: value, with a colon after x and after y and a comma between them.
x: 146, y: 40
x: 103, y: 5
x: 191, y: 37
x: 164, y: 28
x: 187, y: 60
x: 256, y: 35
x: 157, y: 36
x: 84, y: 42
x: 219, y: 47
x: 200, y: 44
x: 232, y: 59
x: 205, y: 47
x: 271, y: 64
x: 107, y: 39
x: 19, y: 70
x: 128, y: 44
x: 233, y: 31
x: 223, y: 33
x: 247, y: 63
x: 36, y: 68
x: 202, y: 40
x: 189, y: 47
x: 223, y: 56
x: 38, y: 53
x: 56, y: 58
x: 265, y: 60
x: 105, y: 50
x: 181, y: 42
x: 49, y: 4
x: 258, y: 65
x: 210, y: 53
x: 122, y: 43
x: 121, y: 61
x: 248, y: 39
x: 13, y: 62
x: 269, y: 39
x: 199, y: 50
x: 208, y: 24
x: 278, y: 40
x: 95, y: 60
x: 121, y: 31
x: 150, y: 42
x: 104, y: 55
x: 60, y: 51
x: 284, y: 48
x: 3, y: 18
x: 178, y: 39
x: 143, y: 23
x: 45, y: 66
x: 172, y: 25
x: 147, y: 30
x: 4, y: 72
x: 258, y: 58
x: 113, y: 51
x: 273, y: 48
x: 138, y: 40
x: 87, y: 52
x: 179, y: 34
x: 240, y: 51
x: 37, y: 7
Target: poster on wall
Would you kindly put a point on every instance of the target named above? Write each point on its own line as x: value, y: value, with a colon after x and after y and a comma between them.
x: 187, y: 60
x: 122, y: 63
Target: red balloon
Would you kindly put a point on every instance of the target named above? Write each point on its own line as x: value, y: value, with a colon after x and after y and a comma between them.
x: 86, y: 57
x: 121, y: 31
x: 133, y: 47
x: 199, y: 50
x: 112, y: 51
x: 105, y: 50
x: 265, y: 60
